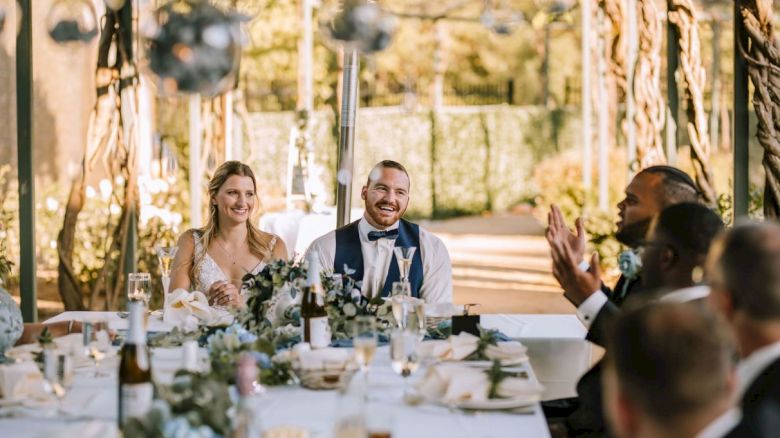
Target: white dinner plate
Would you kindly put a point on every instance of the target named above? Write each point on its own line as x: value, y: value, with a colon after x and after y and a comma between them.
x: 500, y: 403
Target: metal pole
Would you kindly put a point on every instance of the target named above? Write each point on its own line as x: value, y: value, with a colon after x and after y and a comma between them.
x: 129, y: 113
x: 26, y: 174
x: 673, y: 99
x: 196, y: 173
x: 349, y: 104
x: 741, y: 121
x: 587, y: 113
x: 603, y: 118
x: 633, y: 48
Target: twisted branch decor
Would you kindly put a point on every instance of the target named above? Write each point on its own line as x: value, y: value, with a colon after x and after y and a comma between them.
x: 682, y: 14
x: 763, y: 60
x: 650, y: 114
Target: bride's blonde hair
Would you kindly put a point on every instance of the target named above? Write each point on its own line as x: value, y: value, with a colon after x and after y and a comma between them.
x: 259, y: 243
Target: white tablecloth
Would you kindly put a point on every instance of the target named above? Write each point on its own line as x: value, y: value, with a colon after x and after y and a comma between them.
x: 559, y: 353
x: 97, y: 399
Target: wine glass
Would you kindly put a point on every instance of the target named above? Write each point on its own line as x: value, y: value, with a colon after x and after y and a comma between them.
x: 364, y: 340
x: 403, y: 353
x: 55, y: 375
x: 414, y: 317
x: 98, y: 344
x: 139, y: 287
x: 166, y: 255
x: 403, y: 256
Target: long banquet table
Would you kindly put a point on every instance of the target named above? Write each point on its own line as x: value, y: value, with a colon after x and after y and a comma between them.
x: 557, y: 350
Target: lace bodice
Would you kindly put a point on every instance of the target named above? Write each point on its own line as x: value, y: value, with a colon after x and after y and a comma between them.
x: 210, y: 272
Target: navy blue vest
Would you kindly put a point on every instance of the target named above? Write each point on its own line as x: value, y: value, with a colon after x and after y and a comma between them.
x: 349, y: 253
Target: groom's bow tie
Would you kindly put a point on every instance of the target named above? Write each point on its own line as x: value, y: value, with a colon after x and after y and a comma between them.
x: 387, y: 234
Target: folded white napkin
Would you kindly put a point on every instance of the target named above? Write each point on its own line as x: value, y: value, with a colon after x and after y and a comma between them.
x: 323, y: 358
x: 462, y: 345
x: 187, y: 309
x: 442, y: 310
x: 454, y: 384
x: 22, y: 380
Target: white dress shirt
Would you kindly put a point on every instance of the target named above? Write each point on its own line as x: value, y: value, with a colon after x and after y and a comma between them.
x: 590, y: 308
x: 377, y: 256
x: 750, y: 367
x: 722, y: 425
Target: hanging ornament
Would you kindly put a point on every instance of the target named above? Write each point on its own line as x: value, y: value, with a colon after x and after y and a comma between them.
x: 115, y: 5
x: 357, y: 24
x: 194, y: 47
x: 72, y: 21
x: 501, y: 19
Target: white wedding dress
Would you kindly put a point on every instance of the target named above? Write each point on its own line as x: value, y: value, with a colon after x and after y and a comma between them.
x: 209, y: 272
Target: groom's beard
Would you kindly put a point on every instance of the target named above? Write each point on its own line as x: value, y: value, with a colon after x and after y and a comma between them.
x: 632, y: 235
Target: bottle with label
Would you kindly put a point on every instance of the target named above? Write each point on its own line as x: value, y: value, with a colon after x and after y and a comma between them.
x: 136, y: 391
x: 314, y: 316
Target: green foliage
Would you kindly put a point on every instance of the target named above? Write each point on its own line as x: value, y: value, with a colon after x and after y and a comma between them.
x: 486, y: 339
x: 482, y: 157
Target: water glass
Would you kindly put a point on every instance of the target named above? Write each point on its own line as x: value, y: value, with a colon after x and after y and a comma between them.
x: 139, y: 287
x: 98, y: 344
x: 55, y: 374
x: 364, y: 340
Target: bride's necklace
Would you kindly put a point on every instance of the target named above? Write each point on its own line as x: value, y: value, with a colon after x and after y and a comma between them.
x: 230, y: 254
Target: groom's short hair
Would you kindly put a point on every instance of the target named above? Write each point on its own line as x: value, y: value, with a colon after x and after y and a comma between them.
x: 387, y: 164
x: 671, y: 359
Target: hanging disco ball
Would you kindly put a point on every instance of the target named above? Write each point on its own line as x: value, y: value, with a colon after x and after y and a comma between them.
x: 501, y: 21
x: 193, y: 47
x: 115, y: 5
x: 72, y: 21
x: 357, y: 24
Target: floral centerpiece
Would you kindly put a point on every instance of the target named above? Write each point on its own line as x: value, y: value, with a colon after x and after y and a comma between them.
x: 274, y: 298
x: 195, y: 405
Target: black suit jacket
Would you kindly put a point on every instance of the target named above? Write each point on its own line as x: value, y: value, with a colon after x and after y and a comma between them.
x: 588, y: 418
x: 761, y: 406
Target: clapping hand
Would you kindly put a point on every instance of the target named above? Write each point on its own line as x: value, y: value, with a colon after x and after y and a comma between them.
x: 567, y: 249
x: 224, y: 294
x: 558, y: 231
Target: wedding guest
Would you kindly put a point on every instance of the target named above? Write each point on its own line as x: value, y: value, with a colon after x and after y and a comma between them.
x: 651, y: 190
x: 366, y: 246
x: 215, y: 258
x: 670, y: 373
x: 744, y: 273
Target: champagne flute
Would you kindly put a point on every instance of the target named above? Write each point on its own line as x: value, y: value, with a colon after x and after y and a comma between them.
x: 404, y: 256
x: 166, y: 255
x: 414, y: 318
x: 403, y: 353
x: 55, y: 366
x: 364, y: 342
x: 139, y: 287
x: 98, y: 345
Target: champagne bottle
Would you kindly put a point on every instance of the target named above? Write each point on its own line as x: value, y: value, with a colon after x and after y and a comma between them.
x: 135, y: 372
x: 314, y: 315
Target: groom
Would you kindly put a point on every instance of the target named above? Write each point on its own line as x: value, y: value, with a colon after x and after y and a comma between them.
x: 366, y: 246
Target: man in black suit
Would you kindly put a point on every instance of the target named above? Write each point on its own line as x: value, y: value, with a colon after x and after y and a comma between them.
x: 669, y: 372
x: 677, y: 246
x: 744, y: 273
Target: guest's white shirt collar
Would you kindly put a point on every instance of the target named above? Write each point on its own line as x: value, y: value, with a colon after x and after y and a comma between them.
x: 750, y: 367
x: 721, y: 425
x: 686, y: 294
x: 364, y: 227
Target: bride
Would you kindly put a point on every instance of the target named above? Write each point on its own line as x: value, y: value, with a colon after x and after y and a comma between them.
x: 215, y: 258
